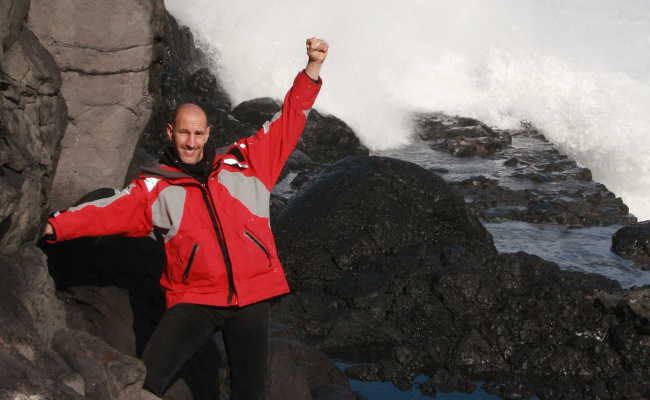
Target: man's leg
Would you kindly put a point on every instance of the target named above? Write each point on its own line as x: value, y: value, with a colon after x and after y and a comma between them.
x: 182, y: 330
x: 245, y: 335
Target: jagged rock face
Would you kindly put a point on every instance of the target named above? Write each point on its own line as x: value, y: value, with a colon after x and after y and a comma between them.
x: 36, y: 362
x: 12, y: 16
x: 32, y: 121
x: 105, y: 51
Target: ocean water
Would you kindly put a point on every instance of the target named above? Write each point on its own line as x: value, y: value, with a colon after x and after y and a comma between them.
x: 388, y: 391
x: 577, y: 69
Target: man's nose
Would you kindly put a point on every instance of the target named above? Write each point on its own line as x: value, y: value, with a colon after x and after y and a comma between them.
x: 191, y: 141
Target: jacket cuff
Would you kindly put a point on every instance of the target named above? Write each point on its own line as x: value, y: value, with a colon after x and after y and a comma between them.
x: 318, y: 81
x: 305, y: 90
x: 56, y: 236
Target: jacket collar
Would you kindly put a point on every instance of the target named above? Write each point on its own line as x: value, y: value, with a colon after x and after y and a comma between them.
x: 170, y: 166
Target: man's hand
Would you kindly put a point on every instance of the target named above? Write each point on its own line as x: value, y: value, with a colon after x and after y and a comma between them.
x: 317, y: 50
x: 317, y: 53
x: 48, y: 230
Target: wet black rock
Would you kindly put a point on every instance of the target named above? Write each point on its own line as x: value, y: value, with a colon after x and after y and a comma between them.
x: 461, y: 137
x: 536, y: 184
x: 580, y: 206
x: 633, y: 242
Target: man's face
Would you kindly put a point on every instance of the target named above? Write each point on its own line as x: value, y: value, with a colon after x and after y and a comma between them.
x: 189, y: 133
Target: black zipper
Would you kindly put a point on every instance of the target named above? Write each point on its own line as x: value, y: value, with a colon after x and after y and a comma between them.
x: 205, y: 191
x: 186, y: 273
x: 258, y: 243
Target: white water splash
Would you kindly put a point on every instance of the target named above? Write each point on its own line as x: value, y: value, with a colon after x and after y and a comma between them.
x: 579, y: 70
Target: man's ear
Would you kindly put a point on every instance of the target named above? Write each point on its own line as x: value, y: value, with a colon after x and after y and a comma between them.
x: 170, y: 131
x: 209, y: 128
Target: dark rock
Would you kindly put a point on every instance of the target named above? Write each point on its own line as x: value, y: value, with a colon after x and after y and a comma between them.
x: 32, y: 122
x: 333, y: 392
x: 461, y: 137
x: 12, y: 17
x: 104, y: 312
x: 278, y: 204
x: 432, y: 126
x: 301, y: 180
x: 512, y: 162
x: 583, y: 174
x: 107, y: 373
x: 633, y: 242
x: 30, y: 316
x: 21, y: 378
x: 439, y: 170
x: 299, y: 161
x: 298, y: 371
x: 571, y: 207
x: 446, y: 306
x: 326, y: 138
x: 363, y: 372
x: 257, y: 111
x: 364, y: 207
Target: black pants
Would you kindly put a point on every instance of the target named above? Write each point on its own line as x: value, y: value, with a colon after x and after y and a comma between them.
x: 185, y: 328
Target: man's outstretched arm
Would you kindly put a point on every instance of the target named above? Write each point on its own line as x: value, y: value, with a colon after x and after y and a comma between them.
x: 268, y: 150
x: 124, y: 213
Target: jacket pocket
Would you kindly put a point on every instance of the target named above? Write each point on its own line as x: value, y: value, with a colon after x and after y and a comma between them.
x: 186, y: 271
x: 259, y: 244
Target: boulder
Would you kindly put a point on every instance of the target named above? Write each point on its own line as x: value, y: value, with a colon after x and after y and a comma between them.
x: 105, y: 52
x: 364, y: 207
x: 633, y: 242
x: 257, y: 111
x: 107, y: 373
x: 30, y: 317
x: 301, y: 372
x: 326, y: 138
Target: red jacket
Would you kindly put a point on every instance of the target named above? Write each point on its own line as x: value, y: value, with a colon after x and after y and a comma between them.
x: 218, y: 241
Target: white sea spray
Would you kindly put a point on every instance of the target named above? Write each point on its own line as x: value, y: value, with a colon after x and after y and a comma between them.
x: 579, y: 70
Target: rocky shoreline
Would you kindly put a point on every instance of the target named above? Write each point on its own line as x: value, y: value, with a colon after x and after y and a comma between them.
x: 390, y: 263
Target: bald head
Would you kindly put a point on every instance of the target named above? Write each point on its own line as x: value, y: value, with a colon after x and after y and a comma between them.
x: 189, y: 132
x: 189, y: 110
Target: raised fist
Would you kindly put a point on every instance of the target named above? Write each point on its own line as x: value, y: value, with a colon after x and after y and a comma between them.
x: 317, y: 50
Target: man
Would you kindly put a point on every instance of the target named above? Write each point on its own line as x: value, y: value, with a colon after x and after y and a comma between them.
x: 212, y: 212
